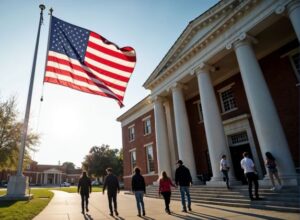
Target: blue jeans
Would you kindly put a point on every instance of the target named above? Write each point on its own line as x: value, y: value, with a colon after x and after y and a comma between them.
x: 185, y: 190
x: 139, y: 200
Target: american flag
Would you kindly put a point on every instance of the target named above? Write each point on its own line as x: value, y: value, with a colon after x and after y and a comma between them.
x: 86, y: 61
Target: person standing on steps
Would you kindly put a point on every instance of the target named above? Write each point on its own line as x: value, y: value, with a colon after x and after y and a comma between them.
x: 111, y: 182
x: 224, y: 168
x: 138, y: 187
x: 251, y: 175
x: 183, y: 178
x: 84, y: 188
x: 272, y: 170
x: 165, y: 184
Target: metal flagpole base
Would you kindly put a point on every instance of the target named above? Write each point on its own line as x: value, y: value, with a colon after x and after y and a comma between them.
x: 17, y: 188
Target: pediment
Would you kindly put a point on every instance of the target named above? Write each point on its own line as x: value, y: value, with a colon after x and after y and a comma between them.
x: 52, y: 170
x: 201, y: 28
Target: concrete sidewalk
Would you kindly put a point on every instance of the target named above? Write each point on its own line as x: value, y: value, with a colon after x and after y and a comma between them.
x: 66, y: 206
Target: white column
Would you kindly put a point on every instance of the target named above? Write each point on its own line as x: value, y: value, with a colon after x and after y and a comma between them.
x: 294, y: 14
x: 162, y: 146
x: 183, y: 134
x: 46, y: 179
x: 265, y: 118
x: 171, y: 138
x: 214, y: 130
x: 54, y: 179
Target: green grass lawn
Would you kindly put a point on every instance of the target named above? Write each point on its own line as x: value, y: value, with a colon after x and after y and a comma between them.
x: 25, y: 210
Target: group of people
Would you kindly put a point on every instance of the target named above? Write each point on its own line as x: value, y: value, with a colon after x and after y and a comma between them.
x: 111, y: 184
x: 183, y: 179
x: 250, y: 172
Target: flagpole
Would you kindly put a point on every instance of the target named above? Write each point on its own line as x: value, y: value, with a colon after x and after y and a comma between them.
x: 46, y: 59
x: 26, y: 119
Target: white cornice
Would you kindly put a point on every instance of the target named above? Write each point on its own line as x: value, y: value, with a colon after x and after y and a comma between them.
x: 190, y: 31
x: 209, y: 39
x: 136, y: 111
x: 237, y: 9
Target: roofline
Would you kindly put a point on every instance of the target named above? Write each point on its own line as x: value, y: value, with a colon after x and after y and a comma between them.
x: 135, y: 108
x: 164, y: 59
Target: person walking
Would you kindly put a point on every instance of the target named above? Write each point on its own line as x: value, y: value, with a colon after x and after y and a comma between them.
x: 84, y: 188
x: 272, y: 170
x: 251, y: 175
x: 224, y: 168
x: 111, y: 182
x: 165, y: 184
x: 138, y: 187
x: 183, y: 178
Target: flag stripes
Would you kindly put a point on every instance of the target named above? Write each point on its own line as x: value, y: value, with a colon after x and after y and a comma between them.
x: 105, y: 70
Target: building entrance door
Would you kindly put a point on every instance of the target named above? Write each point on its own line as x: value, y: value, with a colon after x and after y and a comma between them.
x: 236, y: 156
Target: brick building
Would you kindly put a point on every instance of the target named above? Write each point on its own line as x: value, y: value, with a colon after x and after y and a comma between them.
x: 229, y: 84
x: 39, y: 174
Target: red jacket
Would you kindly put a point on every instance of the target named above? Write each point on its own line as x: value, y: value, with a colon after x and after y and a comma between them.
x: 165, y: 185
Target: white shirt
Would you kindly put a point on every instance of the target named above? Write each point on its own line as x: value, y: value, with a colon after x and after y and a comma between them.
x: 223, y: 165
x: 247, y: 165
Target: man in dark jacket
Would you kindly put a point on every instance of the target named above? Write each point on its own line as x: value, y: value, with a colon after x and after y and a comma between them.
x: 183, y: 178
x: 138, y: 186
x: 111, y: 182
x: 84, y: 188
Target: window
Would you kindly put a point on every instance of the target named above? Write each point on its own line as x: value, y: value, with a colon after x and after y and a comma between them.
x: 199, y: 108
x: 150, y: 159
x: 227, y: 99
x: 295, y: 60
x: 133, y: 159
x: 131, y: 133
x: 238, y: 139
x: 147, y: 126
x: 28, y: 167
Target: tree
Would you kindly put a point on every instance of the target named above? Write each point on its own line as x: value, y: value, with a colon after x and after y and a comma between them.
x: 10, y: 136
x: 100, y: 158
x: 69, y: 166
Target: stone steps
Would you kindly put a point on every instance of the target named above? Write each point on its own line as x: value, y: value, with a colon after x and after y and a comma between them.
x: 287, y: 199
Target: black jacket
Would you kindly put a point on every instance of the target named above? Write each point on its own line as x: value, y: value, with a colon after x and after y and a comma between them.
x: 111, y: 182
x: 183, y: 176
x: 138, y: 183
x: 84, y: 185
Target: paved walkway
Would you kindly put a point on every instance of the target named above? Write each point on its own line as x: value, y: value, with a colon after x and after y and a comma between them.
x: 66, y: 206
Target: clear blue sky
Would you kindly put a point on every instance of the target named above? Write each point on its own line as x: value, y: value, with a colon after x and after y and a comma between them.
x: 71, y: 122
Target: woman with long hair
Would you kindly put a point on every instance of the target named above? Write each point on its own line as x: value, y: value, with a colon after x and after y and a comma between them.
x: 272, y: 170
x: 165, y: 184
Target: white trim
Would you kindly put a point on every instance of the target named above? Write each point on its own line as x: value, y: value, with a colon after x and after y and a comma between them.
x: 223, y: 89
x: 231, y: 110
x: 133, y: 149
x: 131, y: 126
x: 131, y: 139
x: 147, y: 117
x: 144, y: 121
x: 241, y: 124
x: 150, y: 143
